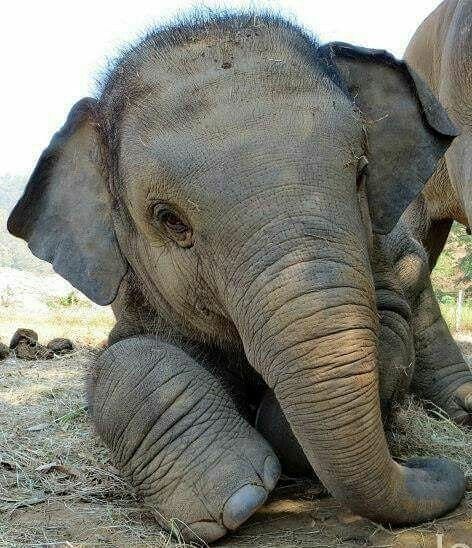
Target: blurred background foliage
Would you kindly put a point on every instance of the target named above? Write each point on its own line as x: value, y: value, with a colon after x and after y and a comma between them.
x: 453, y: 273
x: 454, y: 268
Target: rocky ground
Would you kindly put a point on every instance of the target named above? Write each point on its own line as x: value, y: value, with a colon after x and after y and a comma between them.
x: 57, y: 487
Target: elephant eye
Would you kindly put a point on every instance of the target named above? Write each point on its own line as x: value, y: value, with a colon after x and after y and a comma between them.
x: 173, y: 225
x: 172, y: 221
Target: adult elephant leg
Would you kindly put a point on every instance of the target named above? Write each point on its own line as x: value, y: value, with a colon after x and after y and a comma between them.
x: 436, y: 239
x: 176, y: 434
x: 441, y: 374
x: 459, y: 166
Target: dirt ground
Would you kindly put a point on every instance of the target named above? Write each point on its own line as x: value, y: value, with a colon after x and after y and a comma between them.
x: 57, y: 487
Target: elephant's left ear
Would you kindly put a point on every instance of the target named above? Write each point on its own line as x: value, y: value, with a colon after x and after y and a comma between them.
x: 65, y: 213
x: 408, y: 130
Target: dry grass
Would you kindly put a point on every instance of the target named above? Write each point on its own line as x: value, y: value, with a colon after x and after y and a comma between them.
x: 55, y: 478
x: 430, y: 434
x: 57, y: 487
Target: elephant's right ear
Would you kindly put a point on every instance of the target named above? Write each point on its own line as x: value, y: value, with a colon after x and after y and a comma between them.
x: 65, y: 211
x: 407, y: 129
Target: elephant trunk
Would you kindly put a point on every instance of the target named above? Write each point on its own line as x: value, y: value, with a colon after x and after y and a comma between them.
x: 309, y: 325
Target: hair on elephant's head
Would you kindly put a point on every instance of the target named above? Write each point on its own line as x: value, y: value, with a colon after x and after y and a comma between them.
x: 239, y: 169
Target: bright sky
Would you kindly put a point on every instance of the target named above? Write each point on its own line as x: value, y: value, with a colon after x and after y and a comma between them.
x: 53, y: 50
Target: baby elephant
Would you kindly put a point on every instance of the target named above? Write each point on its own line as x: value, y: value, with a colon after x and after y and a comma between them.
x: 203, y: 442
x: 176, y: 434
x: 228, y: 191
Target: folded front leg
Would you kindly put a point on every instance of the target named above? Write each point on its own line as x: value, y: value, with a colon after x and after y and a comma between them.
x: 175, y: 433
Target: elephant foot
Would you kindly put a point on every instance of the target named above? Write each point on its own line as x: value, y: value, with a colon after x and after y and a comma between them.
x: 272, y: 424
x: 454, y: 397
x: 459, y: 404
x: 176, y: 434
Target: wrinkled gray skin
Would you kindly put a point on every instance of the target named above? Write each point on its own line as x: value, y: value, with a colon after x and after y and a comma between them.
x: 200, y: 460
x: 274, y: 271
x: 441, y: 52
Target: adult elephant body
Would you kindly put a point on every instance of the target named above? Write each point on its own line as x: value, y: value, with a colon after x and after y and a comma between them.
x: 441, y: 52
x: 218, y: 185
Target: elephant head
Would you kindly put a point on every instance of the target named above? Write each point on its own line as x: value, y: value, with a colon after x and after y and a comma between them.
x: 238, y: 169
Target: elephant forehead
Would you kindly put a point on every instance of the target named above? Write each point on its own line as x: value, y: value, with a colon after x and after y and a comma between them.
x: 184, y: 137
x: 256, y: 170
x: 183, y: 82
x: 249, y: 145
x: 245, y: 94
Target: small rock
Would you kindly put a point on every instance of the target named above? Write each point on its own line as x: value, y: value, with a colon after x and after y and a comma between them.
x: 4, y: 351
x: 23, y: 334
x: 60, y: 346
x: 27, y: 349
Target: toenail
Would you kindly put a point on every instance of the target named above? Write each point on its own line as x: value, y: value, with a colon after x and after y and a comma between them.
x: 206, y: 531
x: 272, y: 472
x: 240, y: 506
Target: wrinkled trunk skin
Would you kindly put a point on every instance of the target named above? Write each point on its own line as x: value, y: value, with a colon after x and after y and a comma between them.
x: 309, y: 325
